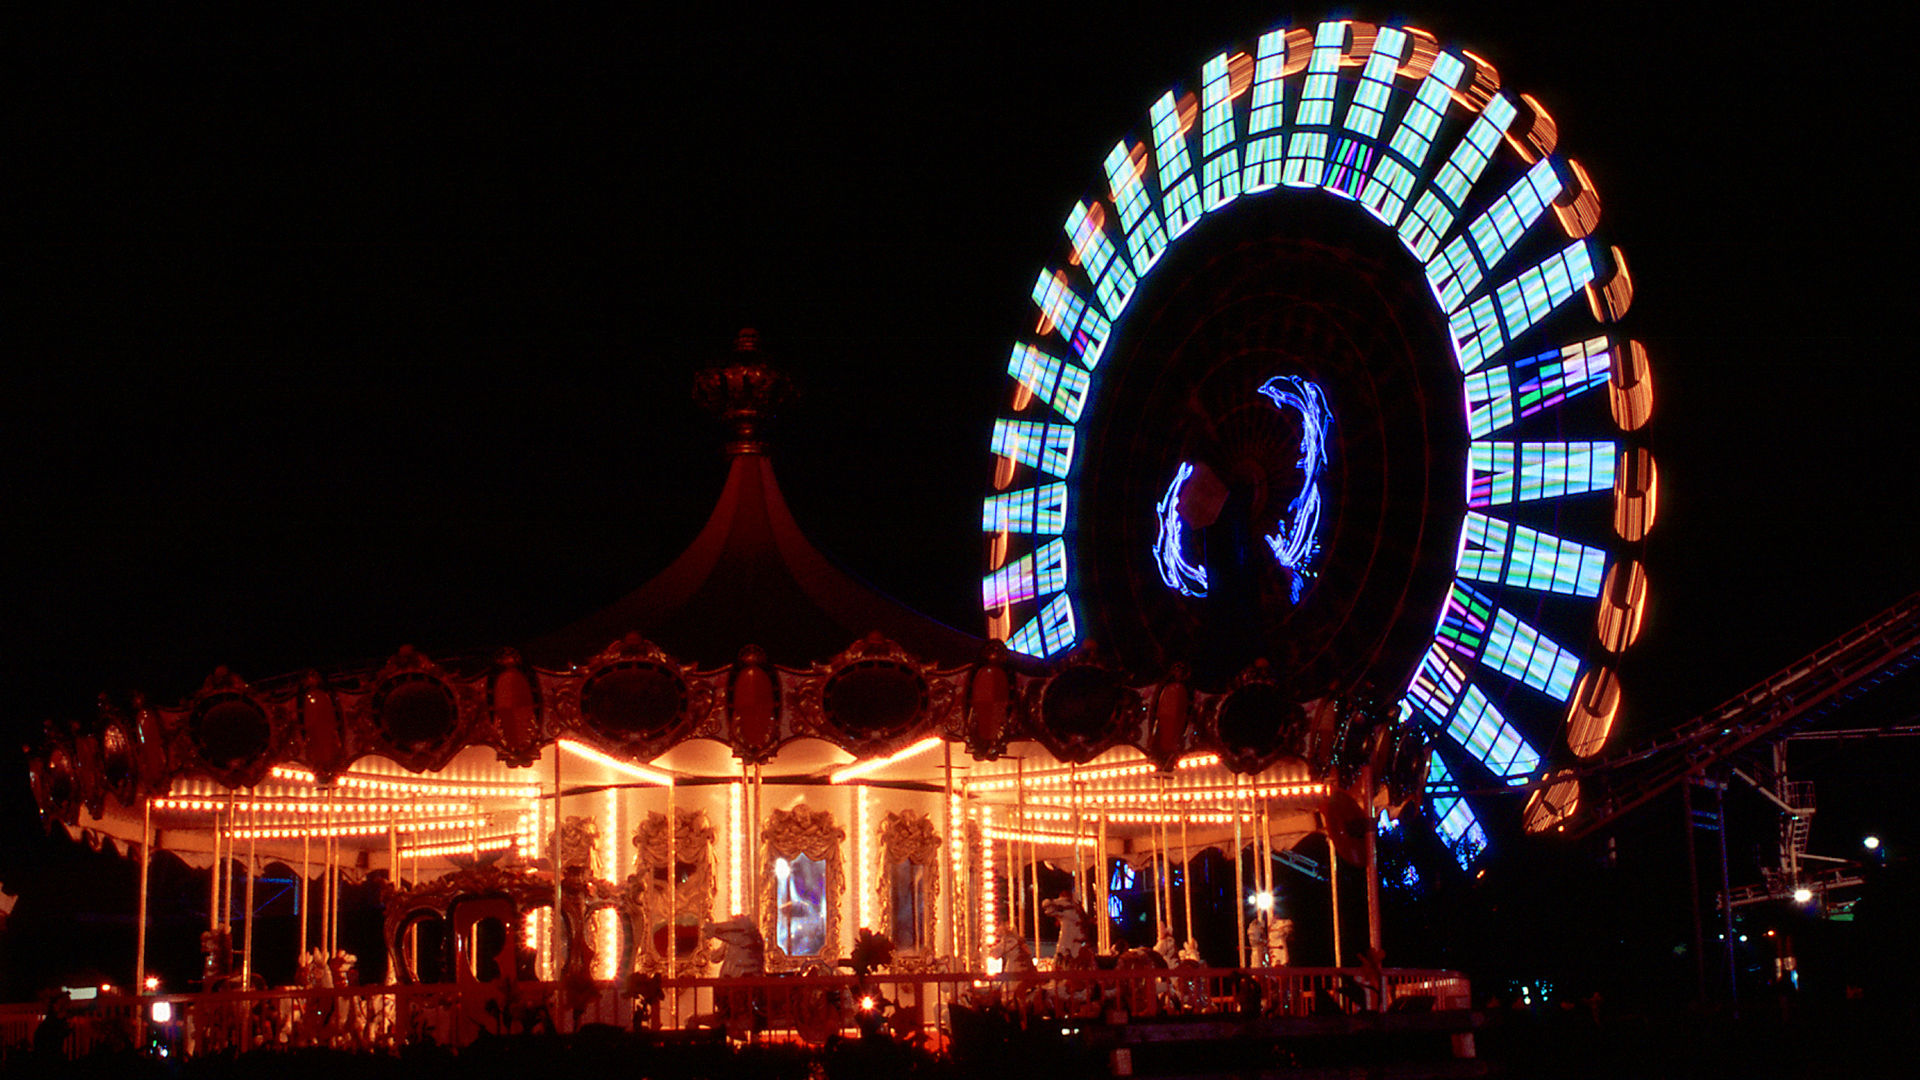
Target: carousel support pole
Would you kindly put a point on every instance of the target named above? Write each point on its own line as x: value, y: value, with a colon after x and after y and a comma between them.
x: 1266, y: 811
x: 1073, y: 848
x: 1159, y: 907
x: 1266, y: 878
x: 553, y: 938
x: 226, y: 870
x: 1186, y: 876
x: 1333, y: 886
x: 326, y: 868
x: 333, y: 887
x: 1013, y: 884
x: 393, y: 878
x: 213, y: 876
x: 1266, y: 847
x: 1102, y: 885
x: 1375, y: 940
x: 413, y: 935
x: 1033, y: 854
x: 1239, y: 878
x: 140, y: 919
x: 328, y: 927
x: 673, y: 900
x: 1162, y: 870
x: 306, y: 868
x: 253, y: 851
x: 753, y: 849
x: 856, y: 868
x: 953, y: 910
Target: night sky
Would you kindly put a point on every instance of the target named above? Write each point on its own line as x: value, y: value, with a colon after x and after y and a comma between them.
x: 329, y: 337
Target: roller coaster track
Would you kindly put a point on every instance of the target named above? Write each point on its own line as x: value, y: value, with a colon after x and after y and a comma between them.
x: 1812, y: 687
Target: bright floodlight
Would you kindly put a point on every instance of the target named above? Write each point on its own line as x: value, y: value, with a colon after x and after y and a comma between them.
x: 1872, y: 843
x: 1802, y: 895
x: 162, y: 1011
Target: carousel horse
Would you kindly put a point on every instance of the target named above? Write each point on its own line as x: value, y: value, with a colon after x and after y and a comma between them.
x: 1017, y: 969
x: 1190, y: 993
x: 218, y: 1025
x: 741, y: 953
x: 1071, y: 947
x: 1141, y: 997
x: 1168, y: 949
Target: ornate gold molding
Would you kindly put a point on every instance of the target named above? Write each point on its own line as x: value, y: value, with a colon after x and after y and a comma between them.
x: 654, y: 901
x: 788, y: 834
x: 909, y: 835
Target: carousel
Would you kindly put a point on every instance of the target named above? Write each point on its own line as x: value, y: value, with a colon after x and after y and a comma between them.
x: 738, y: 770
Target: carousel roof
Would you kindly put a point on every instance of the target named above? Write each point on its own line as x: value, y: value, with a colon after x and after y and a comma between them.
x: 752, y: 578
x: 752, y: 645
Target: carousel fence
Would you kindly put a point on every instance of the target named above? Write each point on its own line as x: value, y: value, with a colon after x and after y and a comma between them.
x: 773, y: 1008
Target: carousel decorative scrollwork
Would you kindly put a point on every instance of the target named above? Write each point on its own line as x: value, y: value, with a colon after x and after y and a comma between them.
x: 494, y: 890
x: 801, y: 881
x: 671, y: 904
x: 584, y: 892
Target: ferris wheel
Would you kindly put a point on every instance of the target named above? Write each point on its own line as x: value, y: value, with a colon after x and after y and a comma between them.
x: 1328, y: 372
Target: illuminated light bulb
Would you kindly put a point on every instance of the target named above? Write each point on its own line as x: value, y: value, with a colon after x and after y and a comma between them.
x: 1802, y: 895
x: 1871, y: 843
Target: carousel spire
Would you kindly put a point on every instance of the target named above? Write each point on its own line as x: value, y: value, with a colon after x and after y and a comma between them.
x: 745, y: 392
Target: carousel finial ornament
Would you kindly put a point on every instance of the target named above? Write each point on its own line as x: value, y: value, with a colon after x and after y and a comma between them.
x: 745, y: 393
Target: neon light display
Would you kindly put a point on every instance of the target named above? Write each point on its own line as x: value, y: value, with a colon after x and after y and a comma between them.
x: 1460, y: 174
x: 1175, y: 571
x: 1040, y: 511
x: 1454, y: 820
x: 1297, y: 542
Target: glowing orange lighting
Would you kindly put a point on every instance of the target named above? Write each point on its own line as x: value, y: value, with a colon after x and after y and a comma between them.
x: 862, y: 768
x: 625, y: 768
x: 1002, y: 471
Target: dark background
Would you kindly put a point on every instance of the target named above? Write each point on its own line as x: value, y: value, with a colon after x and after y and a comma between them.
x: 327, y: 336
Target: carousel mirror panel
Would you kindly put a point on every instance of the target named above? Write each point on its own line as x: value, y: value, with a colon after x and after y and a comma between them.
x: 909, y: 880
x: 671, y: 914
x: 801, y: 882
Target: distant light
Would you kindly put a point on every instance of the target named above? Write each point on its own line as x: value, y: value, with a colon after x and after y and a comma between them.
x: 866, y: 1003
x: 1872, y: 843
x: 106, y: 988
x: 162, y: 1012
x: 1769, y: 933
x: 1743, y: 939
x: 1802, y: 895
x: 1263, y: 901
x: 153, y: 982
